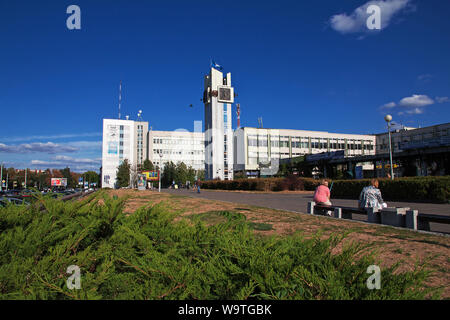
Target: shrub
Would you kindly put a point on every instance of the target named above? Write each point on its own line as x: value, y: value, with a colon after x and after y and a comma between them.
x: 148, y: 255
x: 428, y: 189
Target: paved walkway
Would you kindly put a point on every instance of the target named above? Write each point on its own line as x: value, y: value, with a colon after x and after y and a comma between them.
x: 299, y: 202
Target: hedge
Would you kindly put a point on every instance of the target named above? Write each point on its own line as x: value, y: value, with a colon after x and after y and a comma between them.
x: 423, y: 189
x: 263, y: 184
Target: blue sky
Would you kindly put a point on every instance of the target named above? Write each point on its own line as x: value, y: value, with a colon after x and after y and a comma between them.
x: 309, y: 65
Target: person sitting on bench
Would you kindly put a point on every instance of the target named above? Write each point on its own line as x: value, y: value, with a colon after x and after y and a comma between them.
x: 322, y: 194
x: 370, y: 197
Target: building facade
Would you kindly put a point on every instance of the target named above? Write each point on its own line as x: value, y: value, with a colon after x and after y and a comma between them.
x: 413, y: 138
x: 177, y: 146
x: 218, y: 97
x: 221, y: 152
x: 257, y: 147
x: 122, y: 139
x: 418, y: 151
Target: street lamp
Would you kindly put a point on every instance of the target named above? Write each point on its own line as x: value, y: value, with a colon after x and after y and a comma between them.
x: 159, y: 171
x: 388, y: 119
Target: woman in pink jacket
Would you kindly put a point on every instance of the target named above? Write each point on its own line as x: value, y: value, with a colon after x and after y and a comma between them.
x: 322, y: 193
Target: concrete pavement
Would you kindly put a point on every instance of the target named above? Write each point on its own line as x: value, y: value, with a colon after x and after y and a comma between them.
x: 298, y: 203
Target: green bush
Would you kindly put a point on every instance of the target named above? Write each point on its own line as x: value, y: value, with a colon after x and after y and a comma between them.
x: 427, y: 189
x: 149, y: 256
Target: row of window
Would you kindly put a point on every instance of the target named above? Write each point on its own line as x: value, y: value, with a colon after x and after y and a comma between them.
x: 179, y: 152
x: 177, y: 141
x: 188, y: 163
x: 305, y: 145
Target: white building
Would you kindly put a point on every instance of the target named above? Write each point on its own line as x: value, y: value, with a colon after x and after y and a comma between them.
x: 410, y: 138
x: 177, y: 146
x: 218, y: 98
x: 256, y: 146
x: 122, y: 139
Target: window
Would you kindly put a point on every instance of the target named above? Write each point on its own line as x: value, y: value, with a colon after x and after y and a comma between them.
x: 262, y: 143
x: 252, y: 142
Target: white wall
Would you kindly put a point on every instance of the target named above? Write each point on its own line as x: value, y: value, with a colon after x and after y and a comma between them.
x: 177, y: 146
x: 111, y: 156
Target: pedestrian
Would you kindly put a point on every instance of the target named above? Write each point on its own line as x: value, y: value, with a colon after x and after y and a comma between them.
x: 198, y: 186
x: 322, y: 193
x: 370, y: 197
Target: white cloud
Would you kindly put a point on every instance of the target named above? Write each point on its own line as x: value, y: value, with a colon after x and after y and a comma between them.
x: 37, y: 147
x: 85, y: 144
x: 424, y: 77
x: 51, y: 137
x: 68, y: 159
x: 356, y: 21
x: 415, y: 111
x: 75, y: 164
x: 416, y: 101
x: 389, y: 105
x: 442, y: 99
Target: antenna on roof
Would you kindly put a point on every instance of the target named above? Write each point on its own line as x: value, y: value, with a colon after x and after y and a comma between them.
x: 120, y: 96
x: 238, y: 113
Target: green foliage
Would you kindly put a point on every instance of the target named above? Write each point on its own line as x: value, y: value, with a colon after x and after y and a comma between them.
x: 147, y: 165
x: 149, y: 256
x: 66, y: 174
x: 91, y: 177
x: 123, y: 174
x: 428, y: 189
x: 168, y: 174
x: 179, y: 173
x: 263, y: 184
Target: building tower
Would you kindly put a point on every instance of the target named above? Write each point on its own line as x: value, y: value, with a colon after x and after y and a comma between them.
x: 218, y: 98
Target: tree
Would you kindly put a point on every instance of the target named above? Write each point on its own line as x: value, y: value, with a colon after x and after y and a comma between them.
x: 148, y: 165
x: 201, y: 175
x: 66, y: 174
x: 123, y: 174
x: 168, y: 174
x: 91, y: 177
x: 181, y: 173
x: 191, y: 175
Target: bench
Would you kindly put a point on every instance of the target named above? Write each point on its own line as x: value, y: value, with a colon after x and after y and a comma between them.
x: 339, y: 211
x: 396, y: 217
x: 421, y: 221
